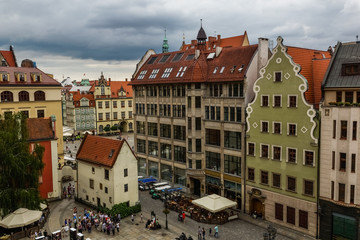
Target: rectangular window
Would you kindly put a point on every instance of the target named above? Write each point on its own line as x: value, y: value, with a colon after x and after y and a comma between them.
x: 334, y: 129
x: 232, y: 140
x: 343, y: 135
x: 277, y: 101
x: 226, y: 114
x: 207, y: 115
x: 153, y: 148
x: 165, y: 151
x: 213, y: 161
x: 232, y: 114
x: 238, y: 114
x: 92, y: 183
x: 180, y: 154
x: 251, y: 174
x: 140, y: 127
x: 303, y: 219
x: 342, y: 162
x: 93, y: 170
x: 107, y: 116
x: 189, y: 102
x: 354, y: 130
x: 107, y: 104
x: 140, y: 145
x: 353, y: 162
x: 291, y: 155
x: 130, y: 103
x: 100, y: 186
x: 338, y: 96
x: 179, y: 132
x: 198, y: 164
x: 115, y: 115
x: 352, y: 193
x: 99, y: 104
x: 198, y: 145
x: 276, y: 153
x: 125, y: 172
x: 106, y: 174
x: 212, y: 113
x: 279, y: 211
x: 152, y: 129
x: 251, y: 149
x: 292, y: 101
x: 114, y: 104
x: 218, y: 114
x: 189, y: 123
x: 277, y: 128
x: 165, y: 130
x: 290, y: 215
x: 264, y: 151
x: 264, y: 127
x: 106, y: 190
x: 332, y: 190
x: 349, y: 97
x: 126, y: 187
x: 292, y: 129
x: 212, y: 137
x: 291, y: 184
x: 198, y: 123
x: 265, y: 101
x: 189, y: 163
x: 197, y: 102
x: 232, y: 165
x: 309, y: 158
x: 277, y: 76
x: 40, y: 113
x: 264, y: 177
x: 341, y: 192
x: 333, y: 160
x: 308, y: 187
x: 276, y: 180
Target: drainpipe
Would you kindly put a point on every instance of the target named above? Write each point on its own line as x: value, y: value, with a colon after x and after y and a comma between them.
x: 318, y: 179
x: 244, y: 150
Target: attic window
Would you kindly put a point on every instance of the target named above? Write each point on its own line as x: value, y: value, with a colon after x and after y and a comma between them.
x: 166, y: 72
x: 181, y: 71
x: 152, y: 60
x: 177, y: 57
x: 215, y: 70
x: 190, y: 57
x: 20, y: 77
x: 35, y: 77
x: 222, y: 69
x: 211, y: 55
x: 350, y: 69
x: 241, y: 68
x: 233, y: 69
x: 142, y: 74
x: 111, y: 153
x: 154, y: 73
x: 4, y: 76
x: 164, y: 58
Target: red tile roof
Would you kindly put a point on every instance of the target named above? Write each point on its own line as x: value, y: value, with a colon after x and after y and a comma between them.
x: 77, y: 96
x: 117, y: 85
x: 96, y: 150
x: 46, y: 79
x: 9, y: 57
x: 313, y: 67
x: 40, y: 129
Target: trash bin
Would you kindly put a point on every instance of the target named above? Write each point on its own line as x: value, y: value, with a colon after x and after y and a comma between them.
x: 73, y: 234
x: 80, y: 236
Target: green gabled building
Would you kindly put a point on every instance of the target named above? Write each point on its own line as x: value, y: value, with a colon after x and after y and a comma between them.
x: 282, y: 146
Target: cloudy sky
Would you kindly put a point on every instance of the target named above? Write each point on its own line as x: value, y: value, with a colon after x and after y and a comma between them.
x: 77, y: 37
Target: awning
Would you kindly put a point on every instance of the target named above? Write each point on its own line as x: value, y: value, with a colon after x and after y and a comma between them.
x: 214, y: 203
x: 20, y: 218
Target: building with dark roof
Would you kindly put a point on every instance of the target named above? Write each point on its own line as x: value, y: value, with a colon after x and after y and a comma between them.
x: 8, y: 58
x: 190, y: 112
x: 107, y: 172
x: 340, y: 149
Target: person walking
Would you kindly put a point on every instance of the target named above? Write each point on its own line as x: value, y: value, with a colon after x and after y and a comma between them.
x: 210, y: 231
x: 183, y: 217
x: 141, y: 218
x: 199, y: 233
x: 132, y: 218
x: 118, y: 226
x: 203, y: 233
x: 216, y: 234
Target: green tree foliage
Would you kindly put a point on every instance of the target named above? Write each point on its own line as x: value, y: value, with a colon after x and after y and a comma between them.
x: 20, y: 166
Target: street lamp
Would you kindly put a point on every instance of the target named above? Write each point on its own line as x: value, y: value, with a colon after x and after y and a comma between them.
x: 166, y: 210
x: 270, y: 234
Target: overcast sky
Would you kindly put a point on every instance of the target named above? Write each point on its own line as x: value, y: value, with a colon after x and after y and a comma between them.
x: 77, y: 37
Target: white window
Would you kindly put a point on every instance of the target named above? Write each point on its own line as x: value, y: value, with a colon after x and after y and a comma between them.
x: 309, y: 157
x: 181, y: 71
x: 291, y: 129
x: 276, y: 152
x: 154, y: 73
x: 142, y: 74
x: 222, y: 69
x: 166, y: 72
x: 215, y: 70
x: 292, y: 101
x: 264, y: 150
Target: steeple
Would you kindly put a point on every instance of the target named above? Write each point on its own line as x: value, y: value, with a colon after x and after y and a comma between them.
x: 165, y: 46
x: 201, y: 37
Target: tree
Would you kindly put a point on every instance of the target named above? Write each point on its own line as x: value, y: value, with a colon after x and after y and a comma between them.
x: 20, y: 166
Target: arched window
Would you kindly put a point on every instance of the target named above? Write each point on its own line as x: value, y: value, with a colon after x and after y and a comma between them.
x: 130, y: 126
x: 7, y: 96
x: 39, y: 96
x: 23, y: 96
x: 101, y: 128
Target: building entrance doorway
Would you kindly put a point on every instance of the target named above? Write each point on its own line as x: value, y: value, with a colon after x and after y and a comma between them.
x: 257, y: 206
x: 197, y: 185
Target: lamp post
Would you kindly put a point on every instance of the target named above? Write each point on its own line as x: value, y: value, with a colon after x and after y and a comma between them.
x: 166, y: 210
x: 270, y: 234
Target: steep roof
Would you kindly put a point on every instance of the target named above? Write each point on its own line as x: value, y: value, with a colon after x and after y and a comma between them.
x: 40, y: 129
x: 227, y: 65
x: 46, y: 80
x: 345, y: 53
x: 77, y: 96
x: 117, y: 85
x: 9, y: 58
x: 313, y: 67
x: 100, y: 150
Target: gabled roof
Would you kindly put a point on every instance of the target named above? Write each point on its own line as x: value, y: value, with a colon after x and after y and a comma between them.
x: 46, y: 79
x: 313, y: 67
x: 77, y: 96
x: 40, y: 129
x: 9, y: 58
x: 345, y: 53
x: 117, y: 85
x: 227, y: 64
x: 100, y: 150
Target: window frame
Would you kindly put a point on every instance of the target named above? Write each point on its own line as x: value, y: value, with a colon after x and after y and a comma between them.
x: 263, y: 97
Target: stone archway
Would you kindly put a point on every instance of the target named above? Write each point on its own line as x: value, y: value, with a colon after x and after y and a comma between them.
x: 68, y: 181
x: 123, y: 126
x: 257, y: 202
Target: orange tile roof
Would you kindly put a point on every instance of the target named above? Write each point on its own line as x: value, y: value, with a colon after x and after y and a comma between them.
x: 313, y: 67
x: 46, y: 79
x: 9, y: 57
x: 96, y: 150
x: 77, y: 96
x: 117, y: 85
x: 40, y: 129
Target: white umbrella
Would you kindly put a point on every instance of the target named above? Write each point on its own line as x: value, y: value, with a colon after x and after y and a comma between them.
x: 67, y: 134
x: 214, y: 203
x: 85, y: 132
x: 20, y: 218
x: 43, y: 206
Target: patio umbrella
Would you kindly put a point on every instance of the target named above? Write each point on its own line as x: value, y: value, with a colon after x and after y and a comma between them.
x: 67, y: 134
x: 89, y: 132
x: 214, y: 203
x: 20, y: 218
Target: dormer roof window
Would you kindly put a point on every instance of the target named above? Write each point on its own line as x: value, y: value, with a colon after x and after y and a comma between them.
x: 142, y: 74
x: 181, y: 71
x: 167, y: 72
x: 154, y: 73
x: 4, y: 76
x: 350, y: 69
x: 36, y: 77
x: 152, y: 60
x: 178, y: 57
x: 20, y: 77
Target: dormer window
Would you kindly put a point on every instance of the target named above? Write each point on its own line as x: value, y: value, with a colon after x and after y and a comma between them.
x: 35, y: 77
x: 4, y: 76
x: 142, y: 74
x: 177, y: 57
x: 278, y: 77
x: 167, y: 72
x: 164, y: 58
x: 350, y: 69
x: 181, y: 71
x: 233, y: 69
x: 152, y: 60
x: 222, y: 69
x: 190, y: 57
x: 215, y: 70
x: 154, y: 73
x: 111, y: 153
x: 20, y: 77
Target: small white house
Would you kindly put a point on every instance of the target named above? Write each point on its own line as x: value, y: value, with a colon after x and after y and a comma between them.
x: 107, y: 172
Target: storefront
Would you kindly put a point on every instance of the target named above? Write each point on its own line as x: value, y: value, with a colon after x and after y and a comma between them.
x: 142, y: 166
x: 166, y: 172
x: 180, y: 177
x: 232, y: 191
x: 153, y: 169
x: 213, y: 185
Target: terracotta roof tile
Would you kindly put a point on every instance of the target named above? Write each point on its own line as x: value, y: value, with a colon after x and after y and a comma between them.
x: 78, y: 96
x: 9, y: 57
x: 40, y: 129
x: 309, y: 60
x: 117, y: 85
x: 96, y: 150
x: 46, y: 79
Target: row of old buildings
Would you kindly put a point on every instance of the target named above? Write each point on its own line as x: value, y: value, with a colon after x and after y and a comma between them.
x: 276, y: 131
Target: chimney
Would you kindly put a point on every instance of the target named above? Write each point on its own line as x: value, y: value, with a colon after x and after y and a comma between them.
x: 126, y: 79
x: 263, y: 53
x: 53, y: 124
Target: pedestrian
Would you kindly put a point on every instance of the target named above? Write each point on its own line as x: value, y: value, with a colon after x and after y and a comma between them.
x: 203, y: 233
x: 132, y: 218
x: 141, y: 218
x: 65, y: 222
x: 210, y: 231
x: 183, y: 217
x: 216, y: 234
x: 119, y: 217
x: 199, y: 233
x: 118, y: 226
x: 113, y: 228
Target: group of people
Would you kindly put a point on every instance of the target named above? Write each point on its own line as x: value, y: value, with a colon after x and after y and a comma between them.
x: 68, y: 191
x: 202, y: 232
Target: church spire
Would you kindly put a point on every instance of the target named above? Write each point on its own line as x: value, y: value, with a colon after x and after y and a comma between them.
x: 165, y: 46
x: 201, y: 37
